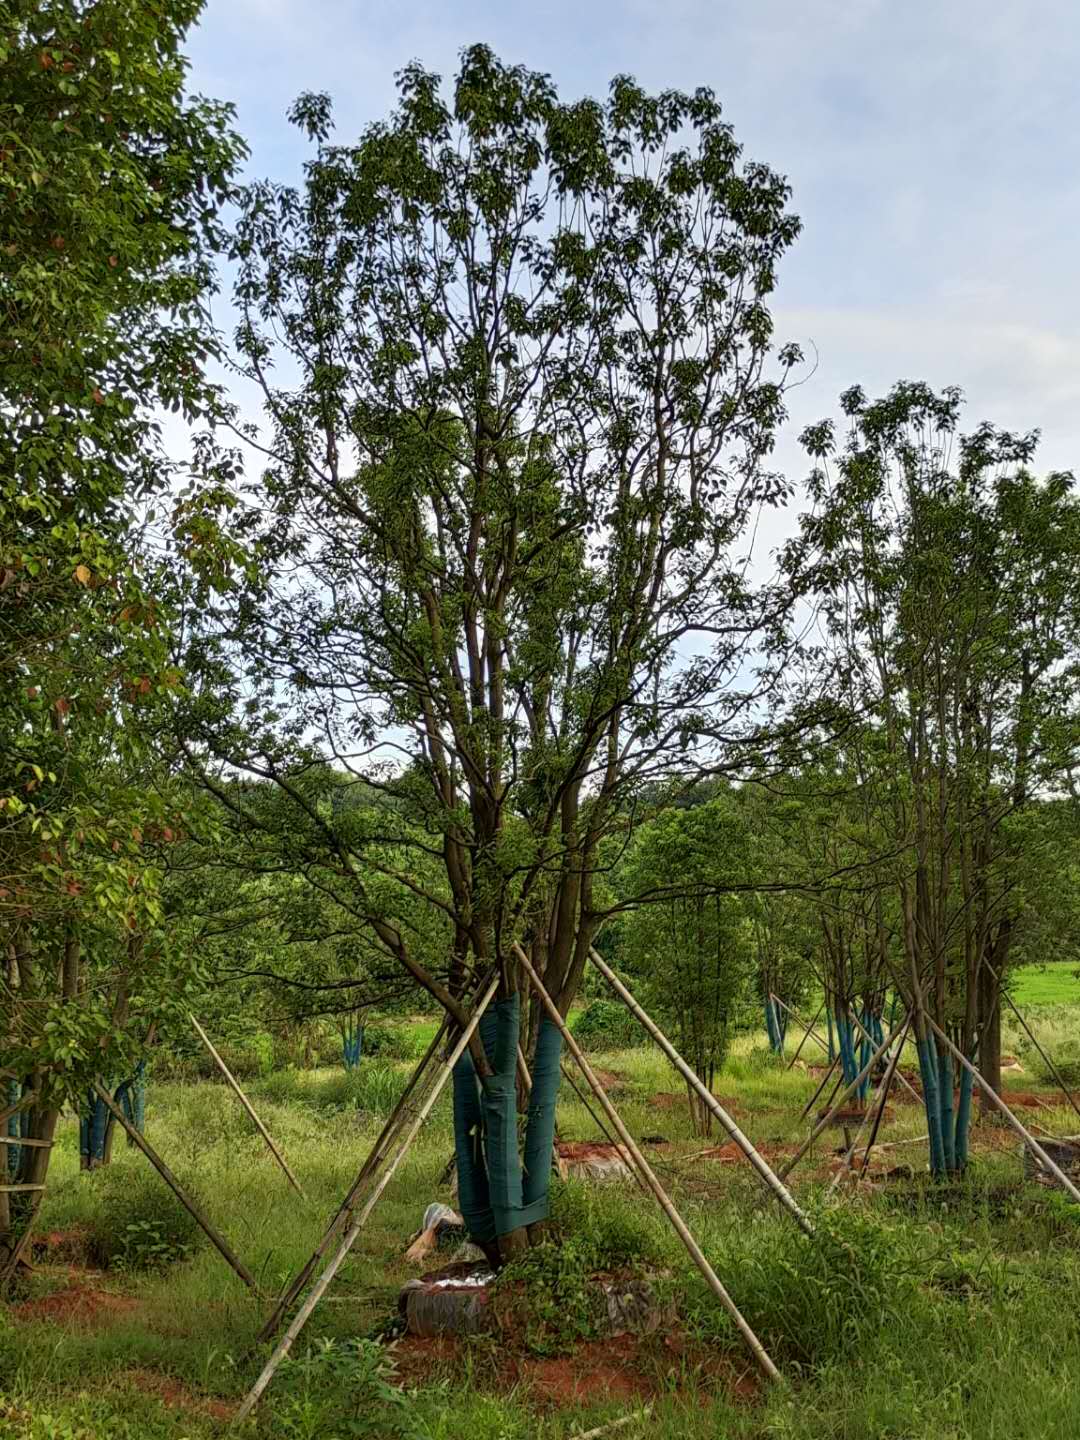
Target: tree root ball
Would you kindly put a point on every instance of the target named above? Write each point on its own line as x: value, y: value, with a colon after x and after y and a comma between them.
x: 458, y: 1300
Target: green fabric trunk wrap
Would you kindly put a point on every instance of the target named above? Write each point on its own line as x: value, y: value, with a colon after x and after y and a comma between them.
x: 928, y: 1070
x: 493, y: 1197
x: 963, y: 1120
x: 945, y: 1100
x: 540, y: 1133
x: 498, y: 1101
x: 473, y: 1195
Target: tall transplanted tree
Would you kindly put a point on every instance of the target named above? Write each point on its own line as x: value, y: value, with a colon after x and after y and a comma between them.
x: 950, y: 583
x: 110, y: 184
x: 515, y: 355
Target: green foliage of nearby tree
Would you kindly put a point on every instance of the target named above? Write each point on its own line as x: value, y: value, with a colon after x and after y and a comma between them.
x: 111, y: 183
x: 950, y: 587
x: 693, y: 950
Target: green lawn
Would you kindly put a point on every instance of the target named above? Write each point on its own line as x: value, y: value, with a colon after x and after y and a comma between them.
x: 1056, y: 984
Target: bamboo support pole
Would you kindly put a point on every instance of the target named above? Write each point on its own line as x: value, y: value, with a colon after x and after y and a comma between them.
x: 763, y: 1168
x: 824, y: 1081
x: 23, y: 1104
x: 370, y: 1166
x: 278, y: 1156
x: 845, y: 1095
x: 808, y: 1031
x: 174, y: 1185
x: 881, y: 1108
x: 642, y: 1414
x: 638, y: 1181
x: 25, y: 1140
x: 678, y: 1224
x: 996, y: 1100
x: 899, y: 1074
x: 877, y: 1110
x: 322, y: 1284
x: 1027, y: 1031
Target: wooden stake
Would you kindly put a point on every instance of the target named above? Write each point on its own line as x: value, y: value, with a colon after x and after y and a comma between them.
x: 371, y: 1164
x: 711, y: 1278
x: 996, y: 1100
x: 323, y: 1282
x: 174, y: 1185
x: 764, y: 1170
x: 249, y: 1108
x: 845, y: 1096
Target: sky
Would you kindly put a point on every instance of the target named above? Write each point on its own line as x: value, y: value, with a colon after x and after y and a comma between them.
x: 932, y: 146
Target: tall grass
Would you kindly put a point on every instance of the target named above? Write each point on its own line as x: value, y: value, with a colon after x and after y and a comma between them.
x: 917, y: 1313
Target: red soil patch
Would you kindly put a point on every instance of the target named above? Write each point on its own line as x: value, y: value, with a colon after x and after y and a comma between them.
x: 600, y: 1370
x: 79, y: 1305
x: 57, y: 1245
x: 579, y: 1150
x: 853, y: 1118
x: 608, y: 1079
x: 727, y: 1154
x: 1028, y: 1100
x: 175, y: 1396
x: 615, y: 1369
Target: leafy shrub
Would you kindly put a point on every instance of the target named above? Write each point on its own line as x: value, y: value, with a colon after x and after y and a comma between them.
x: 615, y: 1232
x: 758, y: 1061
x: 142, y: 1225
x: 550, y: 1284
x: 251, y: 1057
x: 397, y: 1042
x: 607, y: 1025
x: 387, y: 1042
x: 344, y: 1390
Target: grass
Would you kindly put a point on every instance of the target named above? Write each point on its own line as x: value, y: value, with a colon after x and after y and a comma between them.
x: 1057, y: 983
x: 958, y: 1318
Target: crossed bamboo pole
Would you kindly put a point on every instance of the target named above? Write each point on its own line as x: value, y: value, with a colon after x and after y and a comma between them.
x: 877, y: 1110
x: 420, y: 1079
x: 713, y: 1281
x: 194, y: 1210
x: 278, y: 1156
x: 764, y: 1170
x: 838, y: 1104
x: 999, y: 1104
x: 348, y: 1240
x: 1028, y: 1032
